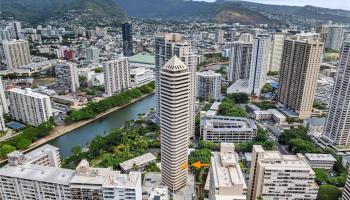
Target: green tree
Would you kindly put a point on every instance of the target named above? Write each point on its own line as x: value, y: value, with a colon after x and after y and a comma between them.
x: 240, y: 98
x: 328, y: 192
x: 267, y: 88
x: 228, y: 108
x: 260, y: 198
x: 6, y: 149
x: 208, y: 145
x: 265, y: 105
x: 321, y: 175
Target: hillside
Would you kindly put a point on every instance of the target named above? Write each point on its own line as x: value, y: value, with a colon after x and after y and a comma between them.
x: 32, y: 10
x: 221, y: 12
x: 231, y: 11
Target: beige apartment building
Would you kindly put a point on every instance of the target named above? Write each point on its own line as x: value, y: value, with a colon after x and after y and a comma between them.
x: 300, y: 66
x: 276, y: 176
x: 226, y: 177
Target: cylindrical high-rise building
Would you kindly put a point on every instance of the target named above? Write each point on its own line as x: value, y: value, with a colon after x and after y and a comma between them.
x: 174, y: 98
x: 337, y: 128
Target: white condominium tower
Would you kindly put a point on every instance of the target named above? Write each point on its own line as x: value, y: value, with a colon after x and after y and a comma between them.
x: 29, y: 107
x: 174, y: 97
x: 166, y: 46
x: 209, y: 85
x: 117, y: 75
x: 259, y: 64
x: 337, y: 129
x: 300, y: 66
x: 276, y: 176
x: 240, y: 58
x: 276, y: 52
x: 67, y: 78
x: 17, y: 53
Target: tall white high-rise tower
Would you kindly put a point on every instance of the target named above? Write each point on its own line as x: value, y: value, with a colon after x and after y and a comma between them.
x: 337, y: 129
x: 174, y: 98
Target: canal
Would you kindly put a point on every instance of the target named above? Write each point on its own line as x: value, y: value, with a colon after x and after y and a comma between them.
x: 83, y: 135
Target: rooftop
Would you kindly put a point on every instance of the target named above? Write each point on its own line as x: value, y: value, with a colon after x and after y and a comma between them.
x: 39, y: 173
x: 175, y: 64
x: 228, y: 123
x: 28, y: 92
x: 40, y: 152
x: 208, y: 73
x: 315, y: 121
x: 143, y: 59
x: 138, y: 161
x: 320, y: 157
x: 276, y: 113
x: 227, y: 172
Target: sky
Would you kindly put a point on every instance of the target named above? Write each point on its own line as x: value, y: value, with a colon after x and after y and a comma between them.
x: 335, y: 4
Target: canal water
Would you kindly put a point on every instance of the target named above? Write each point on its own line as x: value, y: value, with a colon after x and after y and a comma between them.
x: 83, y: 135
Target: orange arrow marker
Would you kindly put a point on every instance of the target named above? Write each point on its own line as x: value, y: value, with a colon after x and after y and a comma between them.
x: 184, y: 166
x: 199, y: 165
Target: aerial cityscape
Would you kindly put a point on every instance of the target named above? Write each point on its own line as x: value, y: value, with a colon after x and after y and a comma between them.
x: 174, y: 100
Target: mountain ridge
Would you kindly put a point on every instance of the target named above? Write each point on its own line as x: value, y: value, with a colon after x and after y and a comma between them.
x: 31, y: 10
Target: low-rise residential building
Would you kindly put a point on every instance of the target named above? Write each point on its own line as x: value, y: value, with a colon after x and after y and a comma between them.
x: 262, y: 115
x: 322, y: 161
x: 208, y: 85
x: 226, y: 129
x: 276, y: 176
x: 141, y: 76
x: 226, y: 177
x: 29, y: 107
x: 138, y: 163
x: 251, y: 108
x: 270, y: 114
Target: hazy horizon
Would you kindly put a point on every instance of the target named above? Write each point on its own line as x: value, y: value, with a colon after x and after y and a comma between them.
x: 335, y: 4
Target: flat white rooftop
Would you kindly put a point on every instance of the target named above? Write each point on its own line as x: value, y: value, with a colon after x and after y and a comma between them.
x: 28, y: 92
x: 320, y: 157
x: 39, y: 173
x: 138, y: 161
